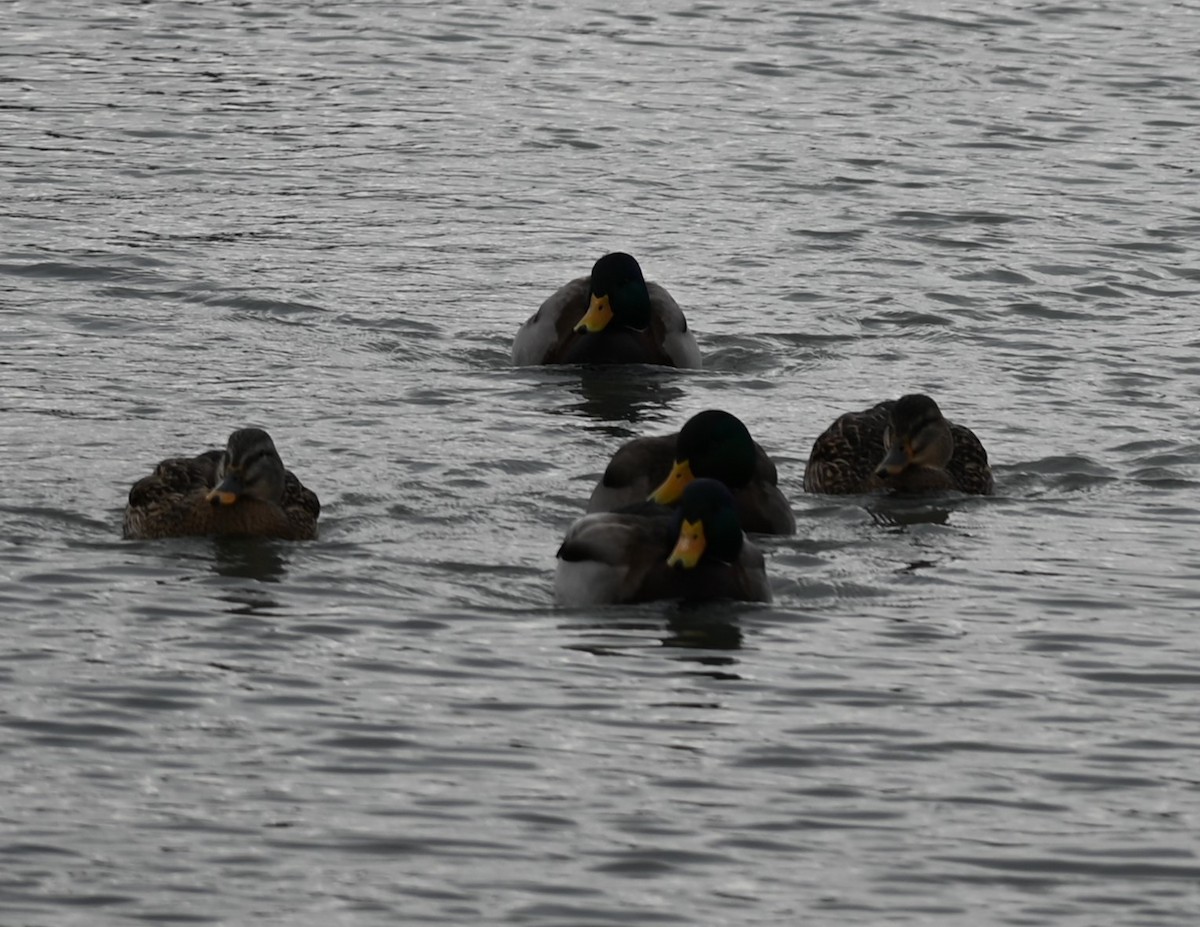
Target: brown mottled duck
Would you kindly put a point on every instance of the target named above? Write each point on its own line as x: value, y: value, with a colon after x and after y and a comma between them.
x: 904, y: 445
x: 241, y: 490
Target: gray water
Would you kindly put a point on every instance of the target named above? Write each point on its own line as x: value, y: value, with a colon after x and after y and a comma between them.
x: 329, y: 220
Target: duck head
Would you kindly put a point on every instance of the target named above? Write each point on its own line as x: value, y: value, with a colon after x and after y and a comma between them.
x: 249, y: 468
x: 706, y: 526
x: 714, y: 445
x: 618, y: 296
x: 917, y: 435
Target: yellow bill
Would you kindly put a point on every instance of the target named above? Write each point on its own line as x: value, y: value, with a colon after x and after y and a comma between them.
x: 690, y: 546
x: 674, y: 485
x: 597, y: 317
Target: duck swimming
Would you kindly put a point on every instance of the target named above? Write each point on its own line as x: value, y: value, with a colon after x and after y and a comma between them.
x: 713, y: 444
x: 241, y: 490
x: 612, y: 316
x: 904, y: 445
x: 696, y: 551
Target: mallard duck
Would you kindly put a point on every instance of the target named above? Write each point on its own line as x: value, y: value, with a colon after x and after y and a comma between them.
x: 612, y: 316
x: 712, y: 444
x: 242, y: 490
x: 696, y: 551
x: 903, y: 444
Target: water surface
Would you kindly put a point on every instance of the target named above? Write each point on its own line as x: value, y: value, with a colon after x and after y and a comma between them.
x: 329, y: 220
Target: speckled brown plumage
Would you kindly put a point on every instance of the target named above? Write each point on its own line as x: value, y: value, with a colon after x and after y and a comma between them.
x: 844, y: 458
x: 172, y: 502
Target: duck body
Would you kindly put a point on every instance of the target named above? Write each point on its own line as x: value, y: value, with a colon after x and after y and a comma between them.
x: 612, y: 316
x: 903, y: 445
x: 242, y: 490
x: 712, y: 444
x: 696, y: 552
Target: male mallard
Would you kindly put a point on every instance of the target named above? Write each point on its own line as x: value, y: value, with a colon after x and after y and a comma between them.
x: 242, y: 490
x: 696, y: 551
x: 903, y: 444
x: 712, y: 444
x: 610, y: 317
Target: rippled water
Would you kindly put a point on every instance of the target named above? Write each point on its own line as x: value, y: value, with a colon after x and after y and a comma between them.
x: 329, y: 219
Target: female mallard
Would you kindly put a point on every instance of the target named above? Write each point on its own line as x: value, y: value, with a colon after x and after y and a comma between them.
x: 242, y: 490
x: 712, y: 444
x: 696, y: 551
x: 903, y: 444
x: 610, y: 317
